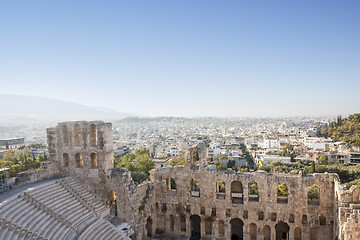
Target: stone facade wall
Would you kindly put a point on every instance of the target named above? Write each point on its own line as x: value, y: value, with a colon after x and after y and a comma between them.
x: 83, y: 150
x: 349, y: 213
x: 172, y: 206
x: 258, y: 211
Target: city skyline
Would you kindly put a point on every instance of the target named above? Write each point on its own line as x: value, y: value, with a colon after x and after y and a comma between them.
x: 190, y: 59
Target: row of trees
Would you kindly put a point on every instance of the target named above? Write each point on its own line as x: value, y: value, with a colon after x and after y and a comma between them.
x: 20, y: 161
x: 139, y: 164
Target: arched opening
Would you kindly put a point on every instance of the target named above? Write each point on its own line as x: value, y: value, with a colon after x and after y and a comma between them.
x: 322, y: 220
x: 208, y: 226
x: 297, y: 234
x: 252, y: 231
x: 195, y: 188
x: 313, y: 194
x: 111, y: 202
x: 92, y: 134
x: 220, y: 189
x: 236, y: 192
x: 236, y: 229
x: 313, y: 234
x: 221, y: 228
x: 282, y: 193
x: 66, y: 159
x: 149, y: 227
x: 171, y: 185
x: 195, y: 227
x: 304, y: 219
x: 65, y: 134
x: 282, y: 231
x: 171, y: 222
x: 94, y: 160
x: 182, y: 223
x: 253, y: 192
x: 79, y: 160
x: 291, y: 218
x: 267, y: 232
x: 77, y: 134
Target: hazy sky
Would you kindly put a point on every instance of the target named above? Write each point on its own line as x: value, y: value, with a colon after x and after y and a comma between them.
x: 186, y: 57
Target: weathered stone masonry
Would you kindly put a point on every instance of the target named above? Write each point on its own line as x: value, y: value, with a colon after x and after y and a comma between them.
x: 191, y: 200
x: 258, y: 214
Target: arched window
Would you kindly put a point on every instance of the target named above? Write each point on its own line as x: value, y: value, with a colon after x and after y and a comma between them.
x: 220, y: 189
x: 171, y: 185
x: 322, y: 220
x: 282, y: 193
x: 220, y: 186
x: 313, y: 194
x: 77, y: 134
x: 253, y: 192
x: 236, y: 192
x: 291, y: 218
x: 94, y: 160
x: 304, y: 219
x: 79, y: 160
x: 252, y: 231
x: 66, y: 159
x: 92, y: 134
x: 195, y: 188
x: 65, y: 134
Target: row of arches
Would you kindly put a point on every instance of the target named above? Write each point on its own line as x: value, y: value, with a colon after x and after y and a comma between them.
x: 237, y: 191
x: 79, y: 160
x: 77, y: 133
x: 236, y: 225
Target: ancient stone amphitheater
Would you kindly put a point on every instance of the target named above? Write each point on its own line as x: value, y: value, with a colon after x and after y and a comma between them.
x: 59, y: 209
x: 78, y: 191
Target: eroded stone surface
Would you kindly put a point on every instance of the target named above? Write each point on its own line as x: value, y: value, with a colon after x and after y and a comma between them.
x: 197, y: 206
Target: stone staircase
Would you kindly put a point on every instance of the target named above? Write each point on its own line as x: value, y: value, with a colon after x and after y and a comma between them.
x: 60, y: 209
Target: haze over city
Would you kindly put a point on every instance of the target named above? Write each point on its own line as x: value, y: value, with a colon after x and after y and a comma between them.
x: 185, y: 58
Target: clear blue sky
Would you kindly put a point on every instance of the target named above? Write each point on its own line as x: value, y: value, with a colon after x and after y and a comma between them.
x: 186, y: 58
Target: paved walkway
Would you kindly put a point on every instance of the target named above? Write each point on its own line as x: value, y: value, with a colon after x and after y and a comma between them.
x: 17, y: 190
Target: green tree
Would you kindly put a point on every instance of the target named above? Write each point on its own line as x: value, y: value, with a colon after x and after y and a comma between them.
x: 313, y: 192
x: 282, y: 189
x: 323, y: 159
x: 253, y: 188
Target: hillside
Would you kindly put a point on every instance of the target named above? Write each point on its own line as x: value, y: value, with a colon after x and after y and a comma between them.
x: 37, y: 107
x: 345, y: 130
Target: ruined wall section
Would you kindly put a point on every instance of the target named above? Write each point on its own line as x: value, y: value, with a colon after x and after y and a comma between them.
x: 83, y: 150
x: 131, y: 198
x: 314, y: 219
x: 349, y: 213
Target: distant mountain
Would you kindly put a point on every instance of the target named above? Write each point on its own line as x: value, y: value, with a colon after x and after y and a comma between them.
x: 37, y: 107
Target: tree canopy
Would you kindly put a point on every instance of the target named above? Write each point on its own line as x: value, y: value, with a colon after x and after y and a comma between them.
x: 139, y: 164
x: 345, y: 130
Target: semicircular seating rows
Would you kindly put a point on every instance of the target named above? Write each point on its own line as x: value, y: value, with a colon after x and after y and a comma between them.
x: 60, y: 209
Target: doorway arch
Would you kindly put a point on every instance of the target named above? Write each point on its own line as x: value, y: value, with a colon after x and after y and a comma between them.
x: 237, y: 229
x: 282, y: 231
x: 195, y: 222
